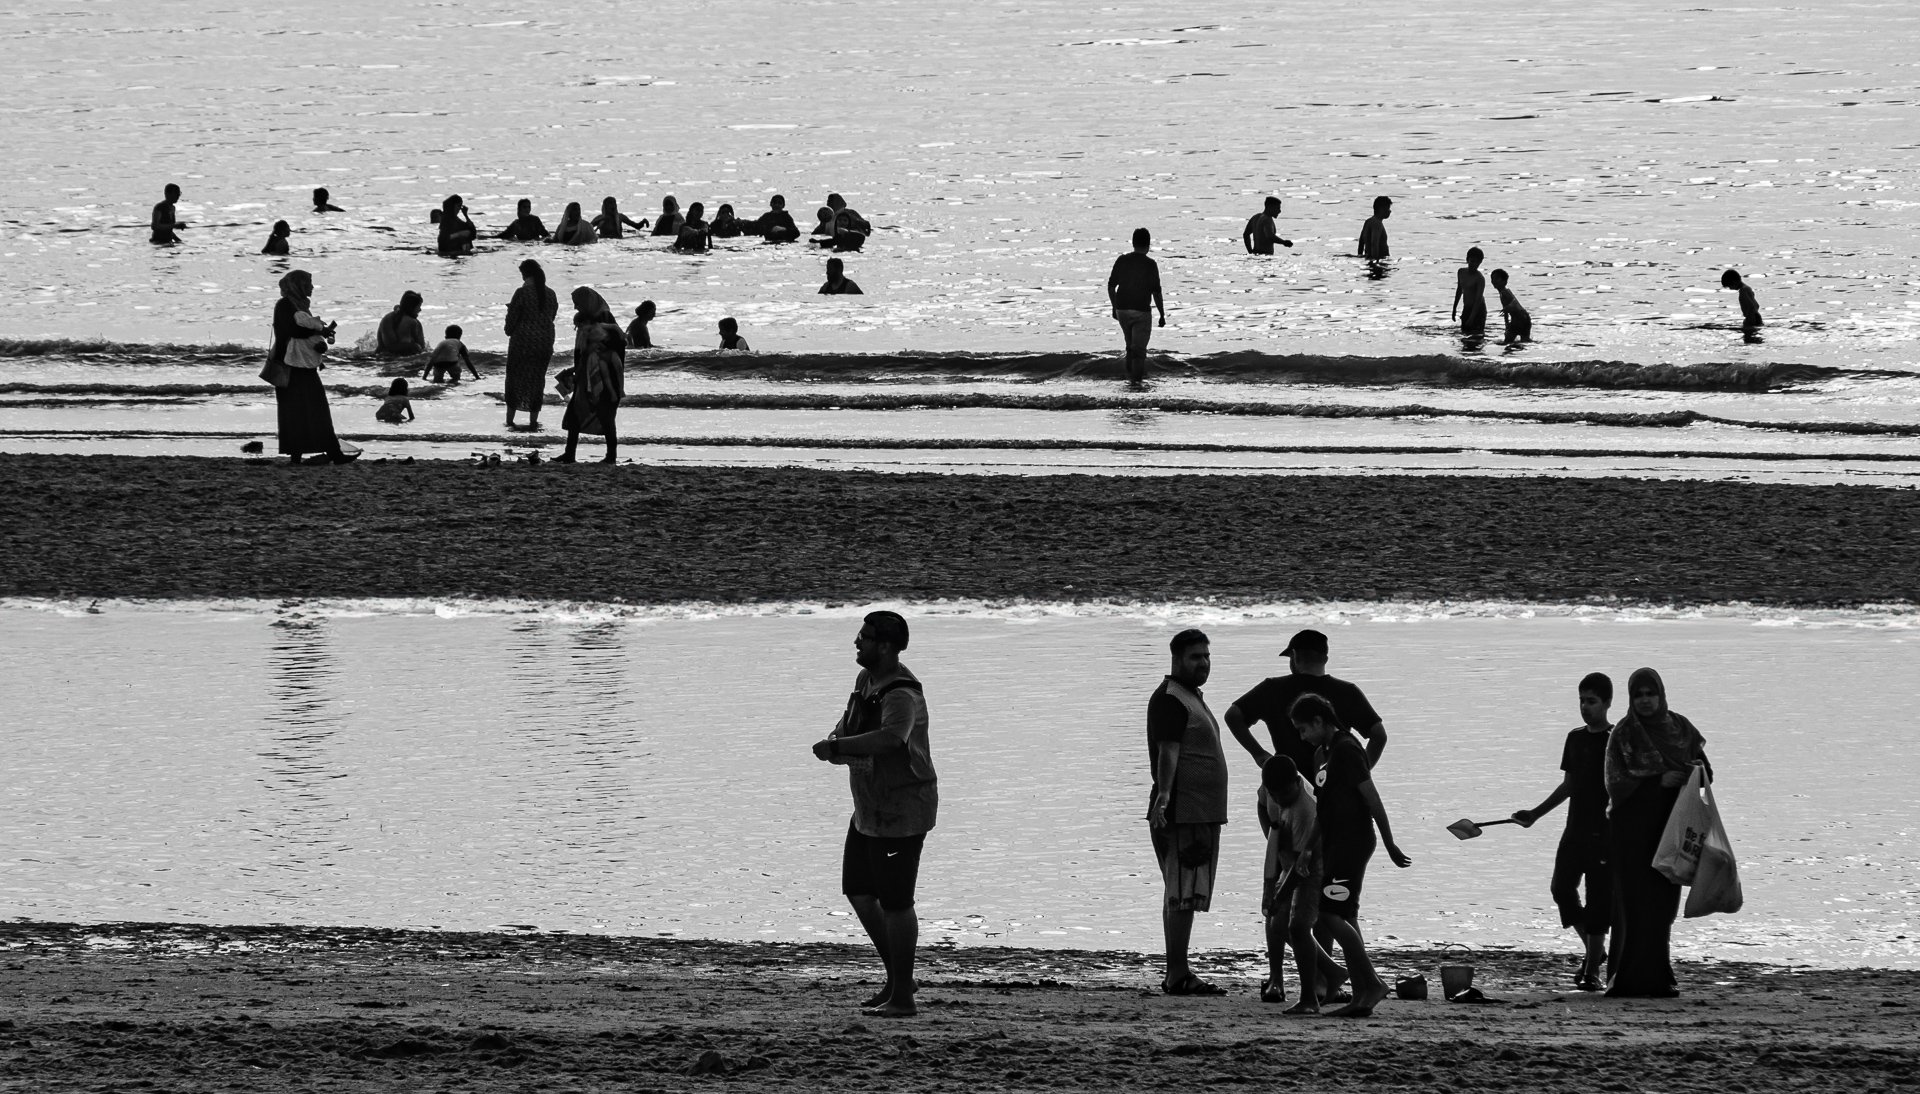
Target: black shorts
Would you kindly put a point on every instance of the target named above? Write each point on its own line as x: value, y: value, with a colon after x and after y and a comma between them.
x: 1345, y: 872
x: 884, y: 867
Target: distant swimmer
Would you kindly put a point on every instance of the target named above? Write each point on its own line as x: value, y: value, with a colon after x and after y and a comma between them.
x: 845, y: 219
x: 573, y: 230
x: 396, y: 403
x: 322, y: 202
x: 457, y: 232
x: 166, y: 220
x: 838, y: 283
x: 1373, y: 234
x: 1470, y: 288
x: 400, y: 333
x: 776, y: 224
x: 1262, y: 232
x: 448, y: 356
x: 726, y: 225
x: 693, y: 237
x: 637, y: 336
x: 277, y: 243
x: 610, y: 220
x: 669, y: 221
x: 1519, y: 323
x: 823, y: 226
x: 831, y: 232
x: 525, y: 227
x: 730, y: 336
x: 1132, y: 286
x: 1749, y: 306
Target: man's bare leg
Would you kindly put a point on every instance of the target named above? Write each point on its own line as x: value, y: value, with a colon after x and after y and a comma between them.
x: 1178, y: 928
x: 903, y: 939
x: 874, y: 919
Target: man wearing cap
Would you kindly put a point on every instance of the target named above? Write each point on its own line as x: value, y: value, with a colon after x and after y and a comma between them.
x: 1272, y: 699
x: 1188, y: 803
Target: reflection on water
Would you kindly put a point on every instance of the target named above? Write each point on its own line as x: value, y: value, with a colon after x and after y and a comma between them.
x: 591, y: 769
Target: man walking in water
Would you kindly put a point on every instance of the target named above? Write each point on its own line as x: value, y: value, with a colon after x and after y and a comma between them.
x: 882, y: 741
x: 1262, y: 231
x: 1134, y: 282
x: 166, y: 222
x: 1188, y: 803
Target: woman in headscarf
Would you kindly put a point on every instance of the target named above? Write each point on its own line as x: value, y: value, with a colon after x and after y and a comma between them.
x: 1650, y: 753
x: 693, y: 231
x: 573, y: 230
x: 611, y: 218
x: 306, y: 426
x: 669, y: 221
x: 599, y: 374
x: 400, y: 332
x: 457, y: 233
x: 530, y: 316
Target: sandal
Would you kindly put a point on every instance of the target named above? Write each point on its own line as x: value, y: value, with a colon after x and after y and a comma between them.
x: 1191, y: 985
x: 1271, y: 992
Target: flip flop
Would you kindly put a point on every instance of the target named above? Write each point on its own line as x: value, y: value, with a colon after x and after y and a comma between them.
x: 1191, y: 985
x: 1269, y: 993
x: 1469, y: 995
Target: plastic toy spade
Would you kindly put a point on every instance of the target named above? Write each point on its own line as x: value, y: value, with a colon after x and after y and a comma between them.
x: 1466, y: 829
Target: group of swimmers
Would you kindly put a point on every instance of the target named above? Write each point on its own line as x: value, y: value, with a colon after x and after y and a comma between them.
x: 839, y: 227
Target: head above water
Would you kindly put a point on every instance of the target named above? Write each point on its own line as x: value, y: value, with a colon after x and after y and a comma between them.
x: 695, y: 211
x: 777, y: 201
x: 1142, y: 240
x: 1192, y: 657
x: 320, y: 195
x: 609, y: 206
x: 836, y: 202
x: 825, y: 214
x: 1475, y: 256
x: 726, y: 212
x: 410, y: 302
x: 452, y: 205
x: 524, y: 207
x: 1499, y: 279
x: 571, y: 213
x: 173, y: 192
x: 669, y: 204
x: 282, y: 228
x: 645, y: 311
x: 835, y: 267
x: 1731, y: 280
x: 729, y: 325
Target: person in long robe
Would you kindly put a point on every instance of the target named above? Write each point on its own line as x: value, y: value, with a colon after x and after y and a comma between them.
x: 305, y: 424
x: 530, y: 316
x: 599, y: 374
x: 1650, y: 754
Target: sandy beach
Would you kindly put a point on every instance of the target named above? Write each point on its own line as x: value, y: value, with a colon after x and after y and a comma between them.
x: 107, y: 526
x: 192, y: 1008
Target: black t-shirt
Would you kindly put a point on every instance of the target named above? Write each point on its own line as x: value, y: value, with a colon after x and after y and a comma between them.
x: 1584, y: 760
x: 1272, y: 698
x: 1135, y: 279
x: 1345, y: 820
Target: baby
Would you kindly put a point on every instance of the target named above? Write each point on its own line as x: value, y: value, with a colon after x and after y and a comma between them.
x: 396, y: 403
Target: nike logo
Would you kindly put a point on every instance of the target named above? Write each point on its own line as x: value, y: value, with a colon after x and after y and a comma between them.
x: 890, y: 854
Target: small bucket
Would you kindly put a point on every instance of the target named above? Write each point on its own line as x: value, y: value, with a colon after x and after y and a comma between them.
x: 1455, y: 979
x: 1410, y: 987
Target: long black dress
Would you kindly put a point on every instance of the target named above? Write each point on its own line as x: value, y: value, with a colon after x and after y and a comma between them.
x: 306, y: 425
x: 1639, y: 956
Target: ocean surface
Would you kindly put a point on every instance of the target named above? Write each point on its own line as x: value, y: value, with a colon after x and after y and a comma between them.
x: 582, y: 768
x: 1613, y: 158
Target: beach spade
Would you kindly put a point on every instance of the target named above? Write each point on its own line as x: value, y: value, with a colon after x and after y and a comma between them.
x: 1466, y: 829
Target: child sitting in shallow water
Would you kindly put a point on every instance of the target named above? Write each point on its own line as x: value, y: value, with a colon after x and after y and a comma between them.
x: 396, y: 403
x: 730, y: 336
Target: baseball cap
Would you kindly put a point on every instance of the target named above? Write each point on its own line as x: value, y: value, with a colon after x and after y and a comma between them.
x: 1306, y: 642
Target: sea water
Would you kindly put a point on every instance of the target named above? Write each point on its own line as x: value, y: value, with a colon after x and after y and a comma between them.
x: 1613, y: 158
x: 647, y: 771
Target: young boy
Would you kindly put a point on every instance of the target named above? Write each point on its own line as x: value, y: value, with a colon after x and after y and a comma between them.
x: 447, y: 358
x: 1749, y: 306
x: 637, y: 336
x: 1470, y: 290
x: 730, y: 336
x: 1583, y: 846
x: 1348, y: 807
x: 1519, y: 323
x: 1373, y: 234
x: 1290, y: 897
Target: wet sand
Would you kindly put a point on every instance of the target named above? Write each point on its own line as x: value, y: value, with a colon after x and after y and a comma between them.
x: 185, y: 1008
x: 112, y: 526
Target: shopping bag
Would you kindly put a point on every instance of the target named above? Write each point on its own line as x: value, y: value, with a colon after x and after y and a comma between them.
x: 1716, y: 884
x: 1678, y: 855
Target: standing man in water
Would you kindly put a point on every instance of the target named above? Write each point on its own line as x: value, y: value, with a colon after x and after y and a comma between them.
x: 166, y: 223
x: 1188, y: 802
x: 882, y: 742
x: 1133, y: 284
x: 1263, y: 231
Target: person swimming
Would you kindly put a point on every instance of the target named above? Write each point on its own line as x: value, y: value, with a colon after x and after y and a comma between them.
x: 725, y: 225
x: 730, y: 336
x: 525, y: 227
x: 637, y: 336
x: 693, y: 231
x: 838, y: 283
x: 609, y: 222
x: 776, y: 224
x: 277, y: 243
x: 457, y: 232
x: 321, y: 202
x: 669, y: 221
x: 573, y: 229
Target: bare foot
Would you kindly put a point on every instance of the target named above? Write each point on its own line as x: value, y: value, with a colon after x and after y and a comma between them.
x: 1304, y: 1007
x: 1364, y: 1000
x: 879, y: 998
x: 891, y: 1009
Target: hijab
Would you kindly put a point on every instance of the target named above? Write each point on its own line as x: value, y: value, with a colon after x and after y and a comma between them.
x: 297, y: 288
x: 590, y: 307
x: 1649, y: 747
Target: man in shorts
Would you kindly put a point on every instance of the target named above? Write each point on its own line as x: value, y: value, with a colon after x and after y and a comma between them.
x: 1348, y: 808
x: 1188, y: 803
x: 882, y: 741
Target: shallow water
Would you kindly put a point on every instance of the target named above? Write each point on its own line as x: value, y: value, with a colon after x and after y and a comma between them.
x: 586, y: 768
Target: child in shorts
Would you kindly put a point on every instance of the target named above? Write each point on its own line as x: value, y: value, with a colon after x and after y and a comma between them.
x: 1519, y: 323
x: 396, y: 403
x: 1290, y: 895
x: 447, y: 358
x: 730, y: 336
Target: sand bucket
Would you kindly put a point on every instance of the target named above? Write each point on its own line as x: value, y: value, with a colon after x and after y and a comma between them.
x: 1455, y: 979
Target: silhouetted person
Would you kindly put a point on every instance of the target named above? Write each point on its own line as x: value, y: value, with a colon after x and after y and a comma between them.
x: 1262, y: 232
x: 776, y: 224
x: 1749, y: 306
x: 525, y: 227
x: 838, y: 283
x: 400, y: 333
x: 669, y: 221
x: 1518, y: 323
x: 693, y: 231
x: 448, y: 356
x: 277, y: 243
x: 1131, y: 287
x: 166, y: 221
x: 321, y: 204
x: 1373, y: 234
x: 845, y: 219
x: 610, y: 220
x: 730, y: 336
x: 725, y: 224
x: 637, y: 335
x: 573, y: 229
x: 457, y: 233
x: 1470, y: 289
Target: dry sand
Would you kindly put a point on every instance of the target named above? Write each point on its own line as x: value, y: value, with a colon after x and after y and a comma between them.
x: 108, y: 526
x: 172, y: 1008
